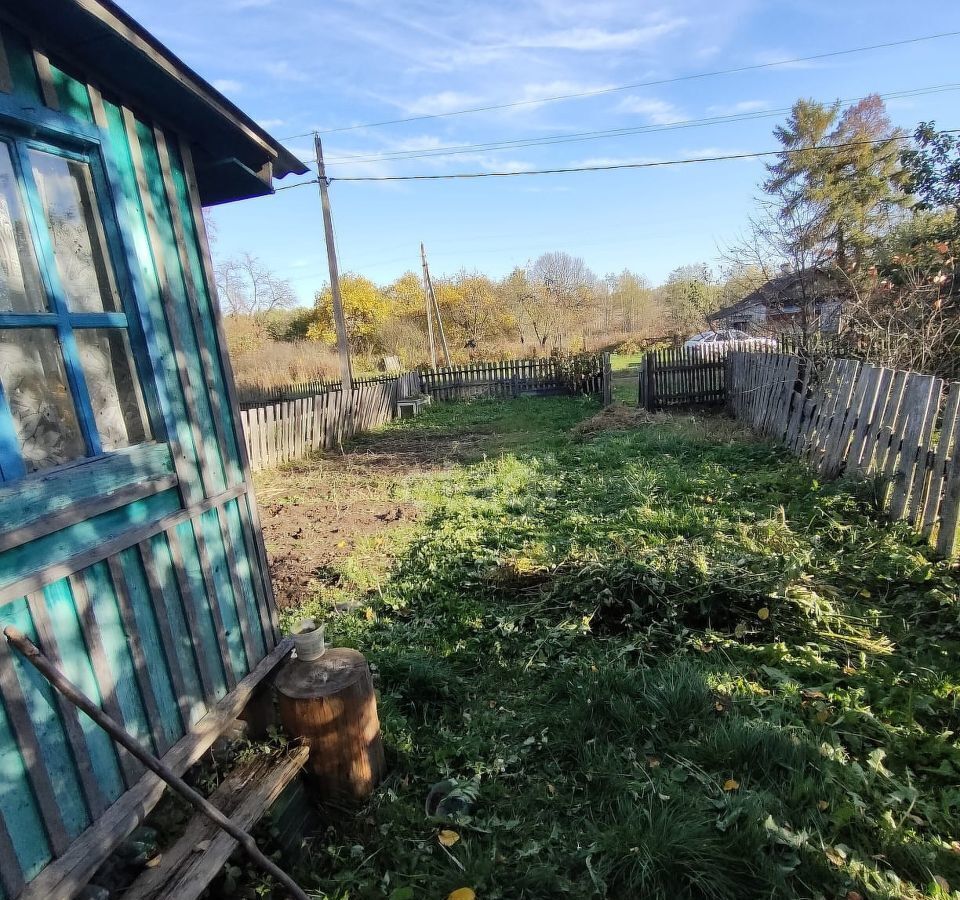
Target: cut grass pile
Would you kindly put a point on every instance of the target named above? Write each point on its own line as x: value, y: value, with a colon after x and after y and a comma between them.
x: 675, y: 664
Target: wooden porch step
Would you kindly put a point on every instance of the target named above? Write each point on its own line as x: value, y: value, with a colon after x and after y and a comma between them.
x: 186, y: 868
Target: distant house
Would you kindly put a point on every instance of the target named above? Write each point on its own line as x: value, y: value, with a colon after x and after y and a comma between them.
x: 808, y: 301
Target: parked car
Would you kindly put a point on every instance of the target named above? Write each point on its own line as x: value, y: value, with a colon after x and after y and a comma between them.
x: 732, y: 339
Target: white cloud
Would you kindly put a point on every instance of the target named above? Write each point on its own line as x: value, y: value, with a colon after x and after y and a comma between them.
x: 228, y: 86
x: 283, y: 71
x: 271, y: 123
x: 657, y: 112
x: 744, y: 106
x: 442, y: 102
x: 586, y: 39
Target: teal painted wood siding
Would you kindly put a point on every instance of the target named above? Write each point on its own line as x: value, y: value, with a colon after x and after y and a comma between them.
x: 142, y: 571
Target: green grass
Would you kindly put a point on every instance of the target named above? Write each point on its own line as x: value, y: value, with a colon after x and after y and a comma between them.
x: 677, y: 665
x: 626, y: 372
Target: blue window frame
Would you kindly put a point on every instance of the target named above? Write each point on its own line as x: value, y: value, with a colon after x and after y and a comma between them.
x: 68, y: 383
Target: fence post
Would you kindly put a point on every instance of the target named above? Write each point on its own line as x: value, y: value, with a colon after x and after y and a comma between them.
x: 607, y: 380
x: 650, y: 400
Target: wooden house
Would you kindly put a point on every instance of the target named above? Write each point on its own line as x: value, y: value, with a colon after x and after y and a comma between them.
x: 130, y: 549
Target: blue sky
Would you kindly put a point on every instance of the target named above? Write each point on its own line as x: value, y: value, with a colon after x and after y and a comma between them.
x: 298, y: 65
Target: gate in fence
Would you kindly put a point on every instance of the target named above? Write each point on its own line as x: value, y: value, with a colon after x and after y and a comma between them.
x: 683, y: 376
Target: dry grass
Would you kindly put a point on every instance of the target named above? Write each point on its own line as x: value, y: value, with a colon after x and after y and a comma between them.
x: 275, y: 363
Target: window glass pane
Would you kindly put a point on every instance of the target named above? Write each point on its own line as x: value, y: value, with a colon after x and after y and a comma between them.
x: 20, y: 287
x: 66, y: 193
x: 113, y: 387
x: 34, y: 381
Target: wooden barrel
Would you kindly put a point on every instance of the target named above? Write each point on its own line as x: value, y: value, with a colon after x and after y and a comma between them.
x: 330, y: 702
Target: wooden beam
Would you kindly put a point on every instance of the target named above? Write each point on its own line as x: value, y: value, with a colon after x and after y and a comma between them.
x: 84, y: 510
x: 121, y: 736
x: 96, y: 802
x: 193, y: 302
x: 45, y: 76
x: 264, y: 584
x: 11, y: 875
x: 159, y: 596
x: 6, y: 79
x: 170, y: 302
x: 65, y: 876
x: 191, y: 610
x: 245, y: 795
x: 29, y: 746
x: 132, y: 633
x: 65, y: 567
x: 106, y: 681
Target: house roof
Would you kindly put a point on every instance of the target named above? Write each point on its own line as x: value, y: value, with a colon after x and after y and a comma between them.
x: 783, y: 290
x: 235, y: 157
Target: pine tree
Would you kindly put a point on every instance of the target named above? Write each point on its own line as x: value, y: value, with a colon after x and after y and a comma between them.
x: 842, y: 169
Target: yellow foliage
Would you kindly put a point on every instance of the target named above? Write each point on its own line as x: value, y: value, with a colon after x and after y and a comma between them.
x: 365, y: 308
x: 447, y: 837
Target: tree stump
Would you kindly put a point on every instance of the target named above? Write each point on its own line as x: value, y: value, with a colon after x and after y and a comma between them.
x: 330, y: 702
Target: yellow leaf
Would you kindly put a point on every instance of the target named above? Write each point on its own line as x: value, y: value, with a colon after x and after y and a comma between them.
x: 823, y: 806
x: 942, y: 883
x: 763, y: 614
x: 731, y: 784
x: 447, y: 837
x: 368, y: 614
x: 462, y: 894
x: 551, y: 790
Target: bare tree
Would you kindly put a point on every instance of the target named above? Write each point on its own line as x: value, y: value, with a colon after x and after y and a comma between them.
x: 248, y: 288
x: 554, y: 296
x: 786, y: 246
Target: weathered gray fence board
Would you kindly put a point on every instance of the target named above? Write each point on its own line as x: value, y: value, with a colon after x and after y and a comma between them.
x: 865, y: 420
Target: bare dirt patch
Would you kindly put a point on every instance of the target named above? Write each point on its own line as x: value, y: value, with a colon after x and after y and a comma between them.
x: 316, y: 513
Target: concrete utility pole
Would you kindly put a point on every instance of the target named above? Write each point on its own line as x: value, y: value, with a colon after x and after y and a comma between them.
x: 343, y: 343
x: 428, y: 306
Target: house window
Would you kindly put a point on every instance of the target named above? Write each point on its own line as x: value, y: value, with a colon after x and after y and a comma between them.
x: 68, y: 385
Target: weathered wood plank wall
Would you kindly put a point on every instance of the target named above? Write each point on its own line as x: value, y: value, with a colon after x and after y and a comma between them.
x: 846, y: 417
x: 142, y: 571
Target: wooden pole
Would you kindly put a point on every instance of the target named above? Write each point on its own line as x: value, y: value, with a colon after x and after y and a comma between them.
x: 436, y: 307
x: 429, y: 308
x: 343, y: 343
x: 29, y: 651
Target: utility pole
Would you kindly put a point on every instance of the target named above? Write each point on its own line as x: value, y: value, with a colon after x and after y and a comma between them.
x: 428, y: 305
x: 343, y: 344
x: 436, y: 306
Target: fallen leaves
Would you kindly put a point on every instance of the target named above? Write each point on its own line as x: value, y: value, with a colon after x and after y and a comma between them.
x: 763, y: 614
x: 731, y: 784
x: 448, y: 837
x: 463, y: 893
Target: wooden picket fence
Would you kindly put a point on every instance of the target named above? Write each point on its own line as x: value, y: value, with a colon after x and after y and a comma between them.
x: 516, y: 377
x: 285, y: 430
x: 297, y: 420
x: 256, y: 395
x: 846, y: 417
x: 682, y: 376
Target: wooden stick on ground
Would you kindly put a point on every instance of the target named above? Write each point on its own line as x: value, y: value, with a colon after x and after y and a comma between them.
x: 56, y: 678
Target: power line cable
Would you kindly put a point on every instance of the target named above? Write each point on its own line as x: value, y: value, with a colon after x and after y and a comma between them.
x: 578, y: 137
x: 637, y: 84
x: 638, y: 165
